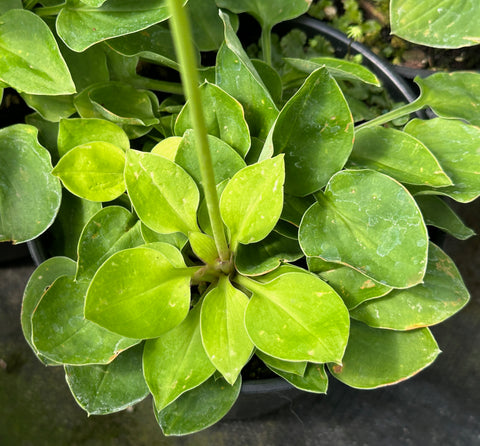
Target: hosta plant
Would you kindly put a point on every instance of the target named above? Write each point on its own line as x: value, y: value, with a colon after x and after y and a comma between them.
x: 242, y: 212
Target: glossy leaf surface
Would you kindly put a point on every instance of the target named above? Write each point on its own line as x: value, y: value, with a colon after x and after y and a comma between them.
x: 297, y: 317
x: 25, y: 167
x: 315, y: 132
x: 252, y: 201
x: 376, y: 358
x: 61, y: 333
x: 138, y: 293
x: 176, y: 361
x: 104, y: 389
x: 33, y: 66
x: 165, y: 197
x: 314, y: 379
x: 370, y: 222
x: 290, y: 367
x: 441, y: 295
x: 204, y: 247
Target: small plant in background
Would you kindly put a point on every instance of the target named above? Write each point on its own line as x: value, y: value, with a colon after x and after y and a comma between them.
x: 242, y: 211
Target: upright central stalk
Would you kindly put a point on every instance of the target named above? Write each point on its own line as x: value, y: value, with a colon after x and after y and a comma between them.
x: 183, y: 43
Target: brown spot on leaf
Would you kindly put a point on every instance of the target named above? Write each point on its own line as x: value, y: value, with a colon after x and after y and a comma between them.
x: 337, y: 368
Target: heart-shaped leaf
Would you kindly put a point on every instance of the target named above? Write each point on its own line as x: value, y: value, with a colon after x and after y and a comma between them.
x: 176, y: 361
x: 138, y: 293
x: 441, y: 295
x: 104, y: 389
x: 165, y: 197
x: 25, y: 167
x: 315, y: 132
x: 370, y: 222
x: 296, y: 317
x: 61, y: 333
x: 222, y: 323
x: 376, y: 358
x: 33, y: 66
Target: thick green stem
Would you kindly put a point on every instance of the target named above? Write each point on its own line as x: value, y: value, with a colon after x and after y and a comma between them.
x: 394, y: 114
x: 267, y: 44
x: 29, y: 4
x: 183, y: 43
x: 48, y: 10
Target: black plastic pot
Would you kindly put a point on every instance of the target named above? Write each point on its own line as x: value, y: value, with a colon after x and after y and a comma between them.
x: 259, y: 397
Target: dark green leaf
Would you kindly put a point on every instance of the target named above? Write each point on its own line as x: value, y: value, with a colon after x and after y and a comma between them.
x: 314, y: 379
x: 296, y: 368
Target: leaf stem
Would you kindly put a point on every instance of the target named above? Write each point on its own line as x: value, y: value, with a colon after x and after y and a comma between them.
x: 267, y: 44
x: 49, y: 10
x: 183, y: 43
x: 404, y: 110
x: 29, y: 4
x: 147, y: 83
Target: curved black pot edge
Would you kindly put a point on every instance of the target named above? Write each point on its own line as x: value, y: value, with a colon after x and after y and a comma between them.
x: 264, y: 396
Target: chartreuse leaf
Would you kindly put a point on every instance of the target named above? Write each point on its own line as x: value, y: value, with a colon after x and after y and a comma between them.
x: 438, y: 213
x: 30, y: 195
x: 441, y: 295
x: 168, y: 147
x: 222, y: 324
x: 176, y: 239
x: 446, y: 24
x: 93, y: 171
x: 31, y: 66
x: 236, y: 75
x: 315, y: 132
x: 80, y: 26
x: 42, y: 278
x: 204, y: 247
x: 338, y: 68
x: 61, y: 333
x: 452, y: 95
x: 314, y: 379
x: 399, y: 155
x: 226, y: 161
x: 104, y: 389
x: 376, y: 358
x: 296, y: 317
x: 108, y: 231
x: 164, y: 196
x: 176, y: 361
x: 77, y: 131
x: 252, y: 201
x: 266, y: 255
x: 199, y: 408
x: 170, y: 252
x: 370, y: 222
x: 138, y: 293
x: 297, y: 368
x: 455, y: 144
x: 224, y: 118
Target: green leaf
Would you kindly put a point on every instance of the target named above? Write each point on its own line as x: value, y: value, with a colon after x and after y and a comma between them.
x: 80, y: 26
x: 315, y: 131
x: 266, y: 255
x: 110, y: 230
x: 314, y: 379
x: 456, y: 145
x: 168, y: 147
x: 104, y: 389
x: 52, y: 108
x: 226, y: 161
x: 208, y: 29
x: 39, y: 282
x: 93, y: 171
x: 78, y: 131
x: 29, y: 194
x: 10, y: 4
x: 295, y: 207
x: 170, y: 252
x: 252, y: 201
x: 338, y: 69
x: 222, y: 324
x: 399, y: 155
x: 441, y: 295
x: 165, y: 197
x: 452, y: 95
x: 138, y: 293
x: 296, y: 368
x: 267, y: 13
x: 236, y: 75
x: 224, y: 118
x: 204, y: 247
x: 33, y: 66
x: 61, y: 333
x: 176, y: 361
x: 270, y: 78
x: 376, y: 358
x: 447, y: 24
x: 436, y: 212
x: 176, y: 239
x: 296, y: 317
x: 199, y: 408
x: 370, y: 222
